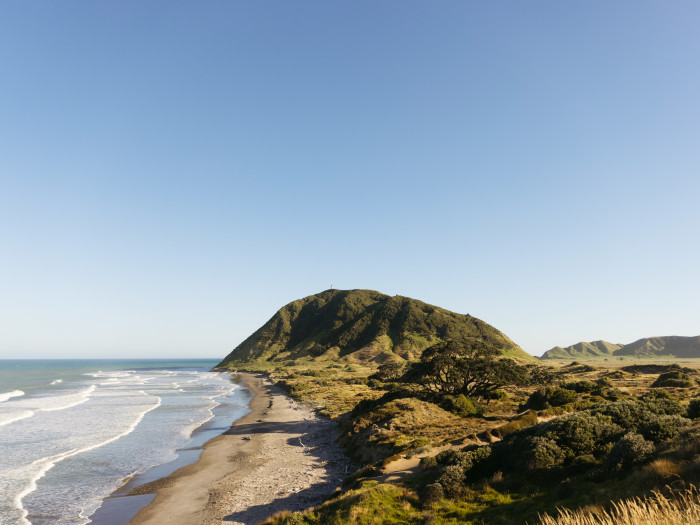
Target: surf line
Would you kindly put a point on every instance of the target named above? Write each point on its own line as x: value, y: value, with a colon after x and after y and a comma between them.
x: 7, y: 395
x: 82, y: 396
x: 46, y: 464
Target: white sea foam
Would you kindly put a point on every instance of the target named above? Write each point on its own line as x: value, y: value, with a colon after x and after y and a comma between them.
x: 96, y: 435
x: 51, y: 403
x: 121, y: 373
x: 43, y: 465
x: 56, y: 381
x: 11, y: 417
x: 7, y: 395
x: 27, y: 407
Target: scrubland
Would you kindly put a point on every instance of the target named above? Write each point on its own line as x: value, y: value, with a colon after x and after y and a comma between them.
x: 590, y: 441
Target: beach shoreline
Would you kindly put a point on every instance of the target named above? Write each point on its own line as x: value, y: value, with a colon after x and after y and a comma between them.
x: 279, y: 456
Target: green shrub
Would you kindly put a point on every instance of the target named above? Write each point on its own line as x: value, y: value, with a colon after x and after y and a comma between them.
x: 582, y: 386
x: 585, y: 460
x: 694, y: 408
x: 616, y: 374
x: 615, y: 394
x: 462, y: 406
x: 631, y: 449
x: 390, y: 371
x: 664, y: 428
x: 550, y: 396
x: 583, y: 432
x: 428, y: 462
x: 675, y: 379
x: 543, y: 454
x: 497, y: 394
x: 578, y: 441
x: 375, y: 383
x: 651, y: 395
x: 432, y: 493
x: 452, y: 480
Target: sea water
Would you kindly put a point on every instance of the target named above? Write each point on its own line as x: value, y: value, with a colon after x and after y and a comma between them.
x: 74, y: 431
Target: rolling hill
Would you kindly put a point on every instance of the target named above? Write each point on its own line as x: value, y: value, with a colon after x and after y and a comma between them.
x: 648, y: 347
x: 360, y: 326
x: 582, y: 350
x: 669, y: 346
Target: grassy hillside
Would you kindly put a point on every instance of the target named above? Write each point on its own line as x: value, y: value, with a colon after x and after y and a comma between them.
x: 668, y: 347
x: 682, y: 347
x: 359, y: 327
x: 582, y: 350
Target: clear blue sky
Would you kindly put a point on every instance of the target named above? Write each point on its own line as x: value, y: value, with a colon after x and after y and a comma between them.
x: 171, y: 173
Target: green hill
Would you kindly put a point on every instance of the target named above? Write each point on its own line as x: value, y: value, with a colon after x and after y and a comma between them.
x: 582, y: 350
x: 669, y: 346
x: 648, y: 347
x: 359, y: 326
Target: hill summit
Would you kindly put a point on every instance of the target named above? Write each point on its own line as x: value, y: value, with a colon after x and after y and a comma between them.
x: 360, y: 326
x: 582, y: 350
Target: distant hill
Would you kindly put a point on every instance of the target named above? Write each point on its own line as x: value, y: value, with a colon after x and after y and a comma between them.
x: 360, y: 326
x: 582, y: 350
x: 668, y: 346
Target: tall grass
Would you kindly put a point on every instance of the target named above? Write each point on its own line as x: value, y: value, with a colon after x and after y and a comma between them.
x: 657, y: 509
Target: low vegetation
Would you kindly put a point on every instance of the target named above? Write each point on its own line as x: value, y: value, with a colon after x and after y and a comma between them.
x: 657, y: 509
x: 586, y: 438
x: 482, y: 436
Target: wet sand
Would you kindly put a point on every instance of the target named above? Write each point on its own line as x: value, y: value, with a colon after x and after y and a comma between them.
x: 280, y: 456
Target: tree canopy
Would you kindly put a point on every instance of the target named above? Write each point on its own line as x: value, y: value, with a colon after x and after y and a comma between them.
x: 470, y: 367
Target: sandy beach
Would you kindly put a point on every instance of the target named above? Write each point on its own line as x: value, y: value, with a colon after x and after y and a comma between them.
x: 280, y: 456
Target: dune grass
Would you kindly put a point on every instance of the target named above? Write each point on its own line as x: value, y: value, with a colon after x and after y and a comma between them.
x: 657, y: 509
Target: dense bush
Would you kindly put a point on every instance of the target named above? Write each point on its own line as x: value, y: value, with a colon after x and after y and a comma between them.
x: 664, y: 428
x: 550, y: 396
x: 652, y: 395
x: 630, y: 449
x: 452, y: 480
x: 582, y: 433
x: 578, y: 440
x: 615, y: 394
x: 462, y: 406
x: 432, y: 493
x: 390, y: 371
x: 543, y: 454
x: 675, y: 378
x: 583, y: 387
x: 694, y: 408
x: 428, y: 462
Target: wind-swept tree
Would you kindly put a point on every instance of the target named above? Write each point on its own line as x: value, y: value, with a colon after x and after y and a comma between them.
x: 470, y: 367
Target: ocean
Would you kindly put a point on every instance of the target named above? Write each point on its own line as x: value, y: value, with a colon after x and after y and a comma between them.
x: 74, y: 431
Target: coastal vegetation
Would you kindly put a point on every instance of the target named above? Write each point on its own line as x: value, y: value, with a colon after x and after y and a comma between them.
x: 450, y: 424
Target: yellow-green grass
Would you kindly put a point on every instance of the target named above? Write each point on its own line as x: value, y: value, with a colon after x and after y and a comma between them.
x: 657, y: 509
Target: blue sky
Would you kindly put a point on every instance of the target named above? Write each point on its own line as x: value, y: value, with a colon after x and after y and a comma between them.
x: 171, y: 174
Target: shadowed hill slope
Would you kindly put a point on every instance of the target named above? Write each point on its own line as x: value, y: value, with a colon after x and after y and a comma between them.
x: 582, y: 350
x: 360, y: 326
